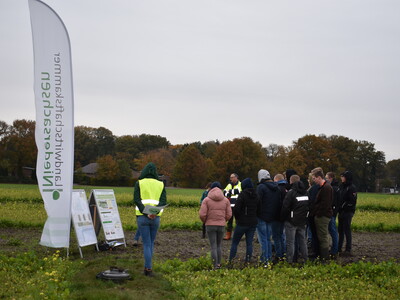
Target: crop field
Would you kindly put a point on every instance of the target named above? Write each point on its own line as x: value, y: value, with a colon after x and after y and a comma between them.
x: 30, y: 271
x: 21, y: 205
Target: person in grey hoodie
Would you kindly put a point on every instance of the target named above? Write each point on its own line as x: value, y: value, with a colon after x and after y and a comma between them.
x: 269, y: 216
x: 215, y: 211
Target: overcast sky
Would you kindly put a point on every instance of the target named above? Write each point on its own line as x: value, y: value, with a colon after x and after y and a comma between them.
x: 220, y: 69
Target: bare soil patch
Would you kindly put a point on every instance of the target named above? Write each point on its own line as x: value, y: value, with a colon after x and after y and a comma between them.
x: 183, y: 244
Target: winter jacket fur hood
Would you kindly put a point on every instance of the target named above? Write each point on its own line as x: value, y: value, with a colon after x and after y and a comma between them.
x: 215, y: 209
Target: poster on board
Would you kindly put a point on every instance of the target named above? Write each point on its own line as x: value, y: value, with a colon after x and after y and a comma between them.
x: 82, y: 219
x: 104, y: 210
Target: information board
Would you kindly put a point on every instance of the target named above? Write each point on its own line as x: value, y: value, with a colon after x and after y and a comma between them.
x: 103, y: 206
x: 81, y: 219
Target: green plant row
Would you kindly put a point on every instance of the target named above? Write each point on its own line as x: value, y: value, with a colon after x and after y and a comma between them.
x: 184, y: 203
x: 178, y: 197
x: 171, y: 202
x: 22, y: 215
x: 31, y: 275
x: 28, y: 276
x: 376, y: 207
x: 364, y: 280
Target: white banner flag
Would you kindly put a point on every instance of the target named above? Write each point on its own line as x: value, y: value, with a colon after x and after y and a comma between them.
x: 54, y: 121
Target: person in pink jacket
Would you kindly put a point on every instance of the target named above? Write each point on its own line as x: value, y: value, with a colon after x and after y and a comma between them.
x: 215, y: 211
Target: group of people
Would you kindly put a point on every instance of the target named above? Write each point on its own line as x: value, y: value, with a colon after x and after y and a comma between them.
x: 284, y: 213
x: 281, y: 208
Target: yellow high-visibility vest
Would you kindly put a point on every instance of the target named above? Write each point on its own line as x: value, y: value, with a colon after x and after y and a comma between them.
x: 150, y: 192
x: 231, y: 187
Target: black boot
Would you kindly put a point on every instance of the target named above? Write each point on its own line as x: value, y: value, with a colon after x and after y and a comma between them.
x: 148, y: 272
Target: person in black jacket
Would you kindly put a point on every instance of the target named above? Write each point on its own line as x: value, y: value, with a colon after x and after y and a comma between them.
x: 347, y: 207
x: 245, y: 212
x: 330, y: 178
x: 295, y: 211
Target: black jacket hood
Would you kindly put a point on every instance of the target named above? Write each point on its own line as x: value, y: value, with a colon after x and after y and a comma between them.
x: 247, y: 184
x: 349, y: 177
x: 299, y: 187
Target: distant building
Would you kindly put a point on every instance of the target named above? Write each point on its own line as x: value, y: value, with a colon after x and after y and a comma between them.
x: 29, y: 172
x: 90, y: 170
x: 391, y: 190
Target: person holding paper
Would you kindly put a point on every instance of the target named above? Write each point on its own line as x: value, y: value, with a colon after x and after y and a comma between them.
x: 149, y: 194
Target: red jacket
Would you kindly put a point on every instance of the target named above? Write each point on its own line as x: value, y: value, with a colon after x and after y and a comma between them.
x: 215, y: 209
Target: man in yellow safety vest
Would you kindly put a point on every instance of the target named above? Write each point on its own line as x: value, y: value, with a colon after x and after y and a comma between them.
x: 232, y: 192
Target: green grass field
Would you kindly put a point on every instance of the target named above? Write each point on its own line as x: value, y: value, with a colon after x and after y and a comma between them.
x: 48, y: 274
x: 22, y: 206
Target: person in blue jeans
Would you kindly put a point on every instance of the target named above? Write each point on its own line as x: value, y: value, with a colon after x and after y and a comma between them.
x: 245, y: 212
x: 264, y: 238
x: 270, y: 206
x: 149, y: 190
x: 330, y: 178
x: 136, y: 238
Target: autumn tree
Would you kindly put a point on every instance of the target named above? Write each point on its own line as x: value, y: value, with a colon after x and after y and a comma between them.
x: 124, y: 173
x: 393, y: 171
x: 344, y: 149
x: 150, y: 142
x: 85, y: 146
x: 366, y: 166
x: 128, y: 148
x: 190, y: 168
x: 242, y: 156
x: 107, y: 170
x: 4, y: 163
x: 18, y: 147
x: 162, y: 158
x: 315, y: 151
x: 281, y: 158
x: 209, y: 148
x: 105, y: 141
x: 131, y: 146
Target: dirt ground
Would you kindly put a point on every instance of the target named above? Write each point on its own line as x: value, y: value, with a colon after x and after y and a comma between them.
x: 374, y: 247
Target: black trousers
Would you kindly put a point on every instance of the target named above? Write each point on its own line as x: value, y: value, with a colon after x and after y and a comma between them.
x: 314, y: 240
x: 344, y: 228
x: 230, y: 225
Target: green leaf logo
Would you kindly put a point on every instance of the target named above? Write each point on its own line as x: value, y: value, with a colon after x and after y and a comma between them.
x: 56, y: 195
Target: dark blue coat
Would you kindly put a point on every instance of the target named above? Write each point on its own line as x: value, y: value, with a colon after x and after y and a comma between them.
x: 270, y: 201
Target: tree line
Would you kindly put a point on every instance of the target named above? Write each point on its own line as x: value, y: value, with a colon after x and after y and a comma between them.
x: 193, y: 165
